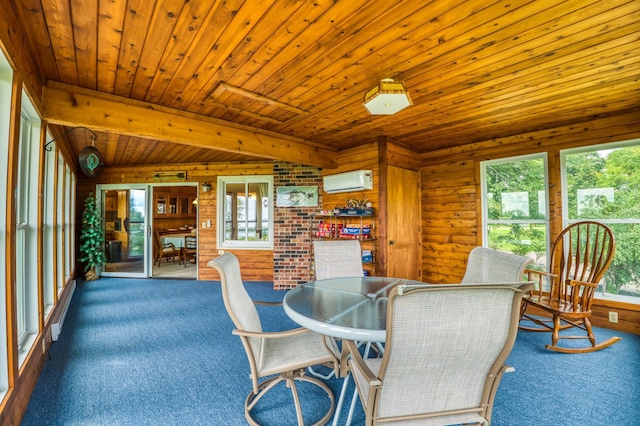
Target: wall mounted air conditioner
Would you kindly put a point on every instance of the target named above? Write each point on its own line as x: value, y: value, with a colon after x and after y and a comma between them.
x: 349, y: 181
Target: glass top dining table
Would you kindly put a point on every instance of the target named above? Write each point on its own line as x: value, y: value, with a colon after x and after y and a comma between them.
x: 345, y: 308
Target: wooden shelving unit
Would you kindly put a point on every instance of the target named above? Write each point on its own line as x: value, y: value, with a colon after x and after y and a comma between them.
x: 342, y: 226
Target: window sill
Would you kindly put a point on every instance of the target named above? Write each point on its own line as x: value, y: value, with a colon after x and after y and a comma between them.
x: 25, y: 347
x: 267, y: 246
x: 617, y: 301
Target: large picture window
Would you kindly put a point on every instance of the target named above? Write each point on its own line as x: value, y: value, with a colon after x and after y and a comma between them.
x: 245, y: 219
x: 515, y: 206
x: 26, y: 242
x: 602, y: 183
x: 6, y: 77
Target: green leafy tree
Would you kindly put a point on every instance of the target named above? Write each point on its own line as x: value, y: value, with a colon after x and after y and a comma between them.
x: 516, y: 179
x: 91, y: 239
x: 600, y: 185
x: 583, y: 171
x: 621, y: 173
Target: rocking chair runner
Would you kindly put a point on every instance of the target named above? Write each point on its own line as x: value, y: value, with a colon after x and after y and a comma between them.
x: 580, y: 256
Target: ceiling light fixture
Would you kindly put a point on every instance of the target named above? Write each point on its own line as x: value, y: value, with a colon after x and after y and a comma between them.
x: 387, y: 98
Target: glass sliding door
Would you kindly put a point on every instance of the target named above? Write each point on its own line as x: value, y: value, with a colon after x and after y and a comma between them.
x: 125, y: 224
x: 136, y: 224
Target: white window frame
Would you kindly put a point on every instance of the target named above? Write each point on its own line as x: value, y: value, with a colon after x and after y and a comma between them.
x: 6, y: 79
x: 22, y: 228
x: 27, y: 229
x: 49, y: 231
x: 220, y: 222
x: 59, y: 231
x: 485, y: 209
x: 566, y: 221
x: 68, y: 216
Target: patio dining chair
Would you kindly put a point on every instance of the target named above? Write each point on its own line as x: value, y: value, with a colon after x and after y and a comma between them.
x: 485, y: 265
x: 445, y: 353
x: 337, y: 259
x: 273, y: 356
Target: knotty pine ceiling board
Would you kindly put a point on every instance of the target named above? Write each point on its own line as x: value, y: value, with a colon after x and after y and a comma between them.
x: 476, y: 70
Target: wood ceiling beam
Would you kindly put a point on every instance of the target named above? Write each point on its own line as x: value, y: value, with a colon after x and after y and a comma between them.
x: 74, y: 106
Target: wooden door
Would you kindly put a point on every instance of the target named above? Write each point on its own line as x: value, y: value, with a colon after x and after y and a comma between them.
x: 403, y: 223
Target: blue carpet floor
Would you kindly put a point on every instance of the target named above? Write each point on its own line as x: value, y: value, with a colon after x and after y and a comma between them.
x: 160, y: 352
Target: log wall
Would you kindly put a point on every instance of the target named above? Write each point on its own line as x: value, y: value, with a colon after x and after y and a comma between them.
x: 451, y: 194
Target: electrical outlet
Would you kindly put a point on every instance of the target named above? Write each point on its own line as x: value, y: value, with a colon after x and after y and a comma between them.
x: 613, y: 317
x: 220, y: 251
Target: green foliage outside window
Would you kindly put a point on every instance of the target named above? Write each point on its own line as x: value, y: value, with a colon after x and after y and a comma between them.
x: 617, y: 174
x: 600, y: 185
x: 513, y: 190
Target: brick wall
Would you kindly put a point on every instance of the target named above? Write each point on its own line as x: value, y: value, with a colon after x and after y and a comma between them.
x: 292, y: 227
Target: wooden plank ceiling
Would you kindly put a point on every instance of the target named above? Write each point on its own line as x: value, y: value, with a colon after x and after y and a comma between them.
x: 476, y: 70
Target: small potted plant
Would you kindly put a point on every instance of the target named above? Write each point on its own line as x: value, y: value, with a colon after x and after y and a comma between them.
x: 91, y: 239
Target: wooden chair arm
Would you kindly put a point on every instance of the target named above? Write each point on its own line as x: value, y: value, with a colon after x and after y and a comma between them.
x: 270, y: 334
x: 576, y: 283
x: 538, y: 281
x: 541, y: 273
x: 363, y: 368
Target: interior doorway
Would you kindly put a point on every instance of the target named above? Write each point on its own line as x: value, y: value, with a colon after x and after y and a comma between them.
x: 173, y: 221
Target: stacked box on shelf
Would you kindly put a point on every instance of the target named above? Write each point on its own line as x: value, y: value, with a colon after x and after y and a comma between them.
x: 328, y: 230
x: 367, y: 256
x: 355, y: 232
x: 324, y: 230
x: 354, y: 211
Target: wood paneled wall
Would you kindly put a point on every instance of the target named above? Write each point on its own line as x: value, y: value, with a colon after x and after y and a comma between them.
x: 450, y: 220
x: 13, y: 41
x: 450, y: 197
x: 364, y: 157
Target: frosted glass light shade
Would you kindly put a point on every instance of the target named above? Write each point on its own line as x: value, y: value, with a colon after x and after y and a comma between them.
x: 387, y: 98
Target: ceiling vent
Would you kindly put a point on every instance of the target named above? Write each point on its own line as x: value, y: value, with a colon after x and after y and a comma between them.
x: 351, y: 181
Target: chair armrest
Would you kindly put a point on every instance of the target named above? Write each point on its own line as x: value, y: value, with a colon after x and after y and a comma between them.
x: 357, y: 361
x: 263, y: 303
x: 576, y: 283
x: 538, y: 281
x: 271, y: 334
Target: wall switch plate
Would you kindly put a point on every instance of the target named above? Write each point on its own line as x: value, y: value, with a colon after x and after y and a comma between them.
x: 204, y: 224
x: 613, y: 317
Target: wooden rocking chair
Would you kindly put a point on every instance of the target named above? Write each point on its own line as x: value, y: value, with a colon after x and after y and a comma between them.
x: 580, y: 256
